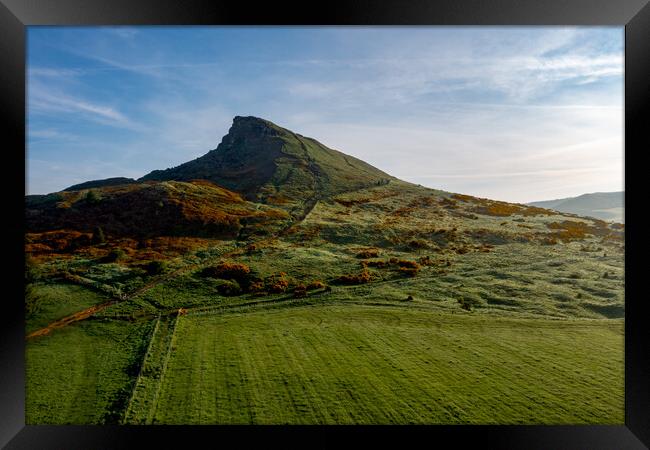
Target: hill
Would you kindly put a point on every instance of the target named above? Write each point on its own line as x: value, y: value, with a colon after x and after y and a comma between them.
x: 601, y: 205
x: 142, y: 210
x: 270, y: 164
x: 274, y: 280
x: 116, y: 181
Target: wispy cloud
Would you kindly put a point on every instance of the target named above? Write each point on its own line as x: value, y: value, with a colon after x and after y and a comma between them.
x: 509, y: 113
x: 42, y: 100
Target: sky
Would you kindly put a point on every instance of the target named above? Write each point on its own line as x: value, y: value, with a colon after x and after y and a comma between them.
x: 510, y: 113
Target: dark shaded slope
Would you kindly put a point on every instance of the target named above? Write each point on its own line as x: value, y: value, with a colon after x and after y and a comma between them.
x: 152, y: 209
x: 271, y: 164
x: 116, y: 181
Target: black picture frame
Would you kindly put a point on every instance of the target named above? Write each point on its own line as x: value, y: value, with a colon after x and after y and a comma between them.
x: 15, y: 15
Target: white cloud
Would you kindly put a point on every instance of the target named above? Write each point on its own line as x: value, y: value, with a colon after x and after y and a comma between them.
x: 43, y: 100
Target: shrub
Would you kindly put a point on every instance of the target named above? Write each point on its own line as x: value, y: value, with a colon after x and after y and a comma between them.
x: 499, y: 209
x: 409, y: 271
x: 363, y: 277
x: 227, y: 271
x: 408, y: 264
x: 257, y: 286
x: 369, y: 253
x: 155, y: 267
x: 92, y: 197
x: 116, y: 254
x: 229, y: 288
x: 33, y: 301
x: 98, y: 236
x: 279, y: 286
x: 418, y: 244
x: 31, y: 272
x: 571, y: 229
x: 379, y: 263
x: 449, y: 203
x: 315, y: 285
x: 300, y: 291
x: 426, y: 261
x: 467, y: 303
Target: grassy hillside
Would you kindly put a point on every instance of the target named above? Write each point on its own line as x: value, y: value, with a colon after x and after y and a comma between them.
x: 323, y: 291
x: 270, y: 164
x: 144, y: 210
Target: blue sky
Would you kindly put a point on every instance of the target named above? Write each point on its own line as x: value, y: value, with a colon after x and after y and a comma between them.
x: 511, y: 113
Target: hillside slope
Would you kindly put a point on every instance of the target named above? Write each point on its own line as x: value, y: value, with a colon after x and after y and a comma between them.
x: 170, y: 208
x: 270, y: 164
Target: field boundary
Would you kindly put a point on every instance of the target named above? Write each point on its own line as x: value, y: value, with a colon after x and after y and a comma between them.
x: 154, y: 404
x: 138, y: 379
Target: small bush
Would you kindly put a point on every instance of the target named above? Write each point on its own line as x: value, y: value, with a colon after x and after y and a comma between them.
x: 92, y: 197
x: 409, y: 271
x: 378, y: 263
x: 315, y: 285
x: 257, y: 286
x: 426, y: 261
x: 227, y: 271
x: 408, y: 264
x: 363, y: 277
x: 155, y: 267
x: 33, y: 301
x: 549, y: 241
x: 418, y: 244
x: 229, y: 288
x: 279, y: 287
x: 467, y: 303
x: 300, y: 291
x: 117, y: 254
x: 98, y: 236
x: 369, y: 253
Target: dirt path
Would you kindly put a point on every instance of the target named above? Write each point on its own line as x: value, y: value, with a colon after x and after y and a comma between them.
x: 80, y: 315
x: 84, y: 314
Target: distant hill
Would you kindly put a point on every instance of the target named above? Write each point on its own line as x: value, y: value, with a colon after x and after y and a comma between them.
x: 117, y: 181
x: 601, y: 205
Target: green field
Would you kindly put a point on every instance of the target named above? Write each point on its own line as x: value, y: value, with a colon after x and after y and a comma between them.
x: 55, y: 301
x: 84, y: 373
x: 389, y: 365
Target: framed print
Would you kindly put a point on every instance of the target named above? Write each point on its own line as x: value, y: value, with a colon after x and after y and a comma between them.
x: 362, y: 224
